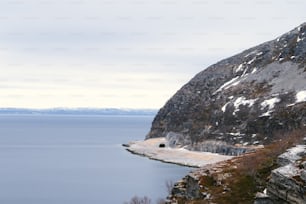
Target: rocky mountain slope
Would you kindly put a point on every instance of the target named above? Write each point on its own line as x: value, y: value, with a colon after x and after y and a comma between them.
x: 240, y: 101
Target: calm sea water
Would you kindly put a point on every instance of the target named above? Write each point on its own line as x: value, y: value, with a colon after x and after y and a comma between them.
x: 77, y: 159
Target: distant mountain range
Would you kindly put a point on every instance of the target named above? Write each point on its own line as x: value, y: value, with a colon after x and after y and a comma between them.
x: 78, y: 111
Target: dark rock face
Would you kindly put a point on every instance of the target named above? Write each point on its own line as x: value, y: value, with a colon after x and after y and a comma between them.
x: 242, y: 99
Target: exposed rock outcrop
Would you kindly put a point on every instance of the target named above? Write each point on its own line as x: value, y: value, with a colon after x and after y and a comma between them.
x: 240, y: 101
x: 190, y: 188
x: 231, y: 181
x: 288, y: 182
x: 198, y: 185
x: 179, y: 140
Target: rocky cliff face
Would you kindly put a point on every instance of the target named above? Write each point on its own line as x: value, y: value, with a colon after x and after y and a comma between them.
x: 238, y: 101
x: 287, y: 183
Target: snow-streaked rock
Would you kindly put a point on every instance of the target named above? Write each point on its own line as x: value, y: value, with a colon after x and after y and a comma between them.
x: 244, y: 102
x: 301, y: 96
x: 287, y: 183
x: 292, y: 155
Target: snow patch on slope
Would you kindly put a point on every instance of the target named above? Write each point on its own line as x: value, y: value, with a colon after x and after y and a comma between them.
x: 228, y: 84
x: 301, y: 96
x: 270, y: 103
x: 243, y: 101
x: 298, y: 39
x: 251, y: 61
x: 240, y: 68
x: 224, y: 107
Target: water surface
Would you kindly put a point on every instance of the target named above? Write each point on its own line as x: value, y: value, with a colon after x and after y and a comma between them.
x: 77, y: 159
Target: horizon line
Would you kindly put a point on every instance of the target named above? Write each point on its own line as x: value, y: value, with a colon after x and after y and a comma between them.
x: 77, y: 111
x: 77, y: 108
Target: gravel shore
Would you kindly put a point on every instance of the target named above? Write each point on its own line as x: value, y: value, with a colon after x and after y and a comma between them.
x: 151, y: 148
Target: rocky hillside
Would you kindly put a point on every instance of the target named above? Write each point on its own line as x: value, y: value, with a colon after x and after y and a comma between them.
x: 240, y: 101
x: 266, y: 176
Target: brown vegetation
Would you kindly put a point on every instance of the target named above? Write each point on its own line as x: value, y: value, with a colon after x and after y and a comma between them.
x: 238, y: 180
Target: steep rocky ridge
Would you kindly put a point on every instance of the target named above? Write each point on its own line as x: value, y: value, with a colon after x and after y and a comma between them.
x: 238, y: 102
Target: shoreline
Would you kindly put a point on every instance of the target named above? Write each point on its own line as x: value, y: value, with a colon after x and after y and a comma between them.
x: 150, y: 148
x: 160, y: 160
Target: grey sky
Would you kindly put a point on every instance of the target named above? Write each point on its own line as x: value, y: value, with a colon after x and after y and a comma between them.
x: 132, y: 53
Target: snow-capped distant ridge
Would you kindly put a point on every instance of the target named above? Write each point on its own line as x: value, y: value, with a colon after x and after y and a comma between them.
x: 78, y: 111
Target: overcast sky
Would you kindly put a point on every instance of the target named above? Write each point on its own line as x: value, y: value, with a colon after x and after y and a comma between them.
x: 124, y: 53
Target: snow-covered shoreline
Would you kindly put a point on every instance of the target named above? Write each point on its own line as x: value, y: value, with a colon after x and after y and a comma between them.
x: 150, y: 148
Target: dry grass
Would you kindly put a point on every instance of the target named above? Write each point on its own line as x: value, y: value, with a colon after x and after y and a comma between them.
x: 248, y: 173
